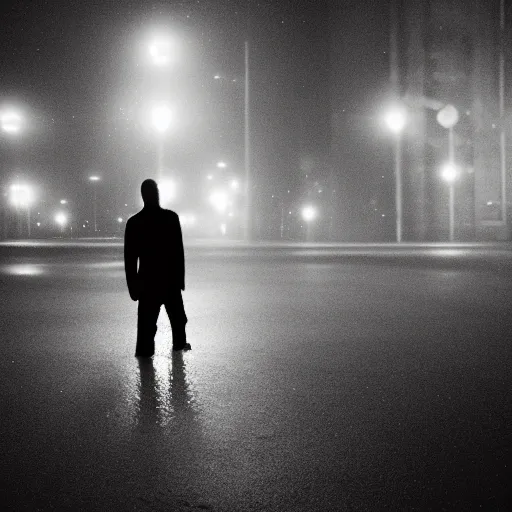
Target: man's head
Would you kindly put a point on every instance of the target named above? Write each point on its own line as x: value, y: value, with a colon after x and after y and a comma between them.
x: 149, y: 192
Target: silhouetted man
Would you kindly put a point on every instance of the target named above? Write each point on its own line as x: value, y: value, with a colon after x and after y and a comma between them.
x: 153, y: 238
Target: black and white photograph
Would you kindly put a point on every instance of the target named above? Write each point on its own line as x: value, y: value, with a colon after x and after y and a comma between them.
x: 255, y: 255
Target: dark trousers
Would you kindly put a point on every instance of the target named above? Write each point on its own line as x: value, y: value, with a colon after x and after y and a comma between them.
x: 148, y: 311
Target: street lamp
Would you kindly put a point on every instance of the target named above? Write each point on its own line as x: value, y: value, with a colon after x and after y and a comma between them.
x: 61, y: 219
x: 161, y: 118
x: 167, y: 190
x: 450, y: 173
x: 22, y: 196
x: 220, y: 200
x: 11, y: 121
x: 162, y: 50
x: 94, y: 179
x: 396, y: 119
x: 309, y: 214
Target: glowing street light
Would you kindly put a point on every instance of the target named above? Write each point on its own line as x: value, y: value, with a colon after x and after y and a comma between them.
x: 61, y: 219
x: 309, y: 214
x: 167, y: 190
x: 221, y: 165
x: 162, y: 50
x: 94, y: 179
x: 450, y: 173
x: 396, y: 119
x: 220, y: 200
x: 161, y: 117
x: 22, y: 196
x: 63, y: 201
x: 11, y: 121
x: 234, y: 184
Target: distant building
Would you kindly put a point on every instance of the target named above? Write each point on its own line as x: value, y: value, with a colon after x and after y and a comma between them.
x: 448, y: 52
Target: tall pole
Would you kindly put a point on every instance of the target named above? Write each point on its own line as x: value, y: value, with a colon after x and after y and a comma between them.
x: 94, y: 206
x: 395, y: 88
x: 393, y: 49
x: 451, y: 189
x: 398, y: 186
x: 503, y: 142
x: 160, y: 161
x: 247, y: 145
x: 28, y: 221
x: 18, y: 220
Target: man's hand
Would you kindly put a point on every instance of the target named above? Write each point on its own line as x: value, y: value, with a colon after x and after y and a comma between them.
x: 133, y: 289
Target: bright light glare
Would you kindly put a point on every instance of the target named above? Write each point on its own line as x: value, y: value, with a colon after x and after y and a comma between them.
x: 449, y: 172
x: 63, y: 201
x: 220, y: 200
x: 396, y: 119
x: 235, y: 185
x: 223, y: 228
x: 11, y: 122
x: 187, y: 219
x: 309, y: 213
x: 162, y: 50
x: 21, y: 195
x: 119, y: 219
x: 167, y: 191
x: 161, y: 117
x: 221, y: 165
x: 61, y: 219
x: 94, y: 178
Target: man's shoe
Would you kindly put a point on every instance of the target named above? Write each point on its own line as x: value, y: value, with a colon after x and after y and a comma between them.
x: 185, y: 347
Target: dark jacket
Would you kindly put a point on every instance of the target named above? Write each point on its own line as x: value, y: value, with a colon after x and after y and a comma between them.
x: 153, y: 237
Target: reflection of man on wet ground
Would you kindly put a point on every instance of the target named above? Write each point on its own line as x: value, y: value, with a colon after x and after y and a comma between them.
x: 153, y: 238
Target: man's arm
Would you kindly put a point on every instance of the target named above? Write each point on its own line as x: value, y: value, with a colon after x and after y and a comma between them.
x: 130, y: 260
x: 181, y: 254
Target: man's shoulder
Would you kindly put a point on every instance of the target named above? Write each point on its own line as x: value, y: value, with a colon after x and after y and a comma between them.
x: 133, y: 219
x: 170, y: 214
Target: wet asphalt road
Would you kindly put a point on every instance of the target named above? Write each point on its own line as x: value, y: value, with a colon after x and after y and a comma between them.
x: 321, y: 378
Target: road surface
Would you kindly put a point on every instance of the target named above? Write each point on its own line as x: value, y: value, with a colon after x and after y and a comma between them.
x: 321, y: 378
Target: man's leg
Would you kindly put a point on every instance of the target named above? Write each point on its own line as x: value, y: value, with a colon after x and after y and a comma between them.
x: 176, y: 313
x: 146, y: 326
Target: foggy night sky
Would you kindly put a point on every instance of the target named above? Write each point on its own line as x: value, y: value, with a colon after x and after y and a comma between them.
x: 74, y: 65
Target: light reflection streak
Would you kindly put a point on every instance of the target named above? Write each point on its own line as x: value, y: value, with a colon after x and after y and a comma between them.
x: 22, y: 269
x: 163, y: 391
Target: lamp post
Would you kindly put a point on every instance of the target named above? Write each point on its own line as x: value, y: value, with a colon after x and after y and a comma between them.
x: 12, y: 123
x: 22, y: 196
x: 450, y: 173
x: 161, y: 117
x: 309, y: 214
x: 61, y: 219
x: 162, y: 50
x: 396, y: 120
x: 94, y: 179
x: 448, y: 117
